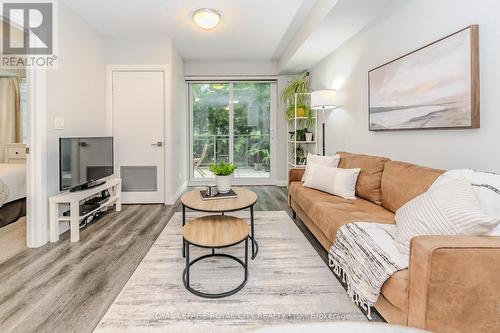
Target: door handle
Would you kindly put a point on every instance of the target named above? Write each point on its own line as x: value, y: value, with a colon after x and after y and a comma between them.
x: 158, y: 144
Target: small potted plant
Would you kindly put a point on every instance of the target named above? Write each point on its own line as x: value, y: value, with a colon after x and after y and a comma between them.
x: 259, y: 155
x: 308, y: 135
x: 300, y: 135
x: 223, y: 172
x: 301, y: 157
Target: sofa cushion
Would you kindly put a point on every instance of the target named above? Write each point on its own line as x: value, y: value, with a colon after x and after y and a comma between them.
x: 336, y: 181
x: 372, y: 167
x: 329, y: 212
x: 332, y: 161
x: 395, y: 289
x: 451, y: 208
x: 306, y: 197
x: 402, y: 182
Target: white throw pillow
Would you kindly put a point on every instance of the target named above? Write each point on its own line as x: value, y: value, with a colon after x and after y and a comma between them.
x: 331, y: 161
x: 341, y: 182
x: 448, y: 209
x: 486, y: 187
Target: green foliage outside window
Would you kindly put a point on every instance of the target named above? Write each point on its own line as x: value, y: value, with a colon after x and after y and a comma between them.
x: 211, y: 121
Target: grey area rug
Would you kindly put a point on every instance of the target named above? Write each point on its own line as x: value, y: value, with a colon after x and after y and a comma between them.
x: 288, y: 283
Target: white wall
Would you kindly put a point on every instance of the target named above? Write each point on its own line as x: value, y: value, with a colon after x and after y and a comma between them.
x: 282, y: 133
x: 230, y: 68
x: 75, y: 90
x: 138, y: 51
x: 178, y: 135
x: 410, y: 25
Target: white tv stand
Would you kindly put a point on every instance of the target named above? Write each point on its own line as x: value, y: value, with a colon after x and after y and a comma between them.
x: 74, y: 199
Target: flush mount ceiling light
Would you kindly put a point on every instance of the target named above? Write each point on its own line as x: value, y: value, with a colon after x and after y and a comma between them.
x: 206, y: 18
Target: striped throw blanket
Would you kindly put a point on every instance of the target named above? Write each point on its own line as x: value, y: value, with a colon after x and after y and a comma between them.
x: 4, y: 193
x: 364, y: 255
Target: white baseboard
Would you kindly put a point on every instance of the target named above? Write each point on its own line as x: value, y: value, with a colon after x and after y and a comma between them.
x: 282, y: 183
x: 172, y: 200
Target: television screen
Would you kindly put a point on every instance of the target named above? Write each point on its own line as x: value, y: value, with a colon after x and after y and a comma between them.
x: 83, y: 160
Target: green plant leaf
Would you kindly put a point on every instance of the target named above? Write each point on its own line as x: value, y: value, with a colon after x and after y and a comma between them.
x: 222, y: 168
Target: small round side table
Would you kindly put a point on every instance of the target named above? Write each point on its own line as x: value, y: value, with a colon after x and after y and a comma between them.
x: 246, y: 199
x: 215, y: 232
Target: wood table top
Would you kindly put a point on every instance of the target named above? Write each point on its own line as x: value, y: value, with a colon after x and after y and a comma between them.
x: 215, y: 231
x: 245, y: 199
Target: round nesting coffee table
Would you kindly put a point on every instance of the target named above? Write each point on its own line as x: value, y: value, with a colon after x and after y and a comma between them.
x: 215, y: 232
x: 246, y: 199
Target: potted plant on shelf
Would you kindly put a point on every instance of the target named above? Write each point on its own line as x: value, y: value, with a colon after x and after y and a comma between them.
x: 308, y: 136
x: 223, y: 172
x: 260, y: 156
x: 299, y: 86
x: 301, y: 156
x: 300, y: 135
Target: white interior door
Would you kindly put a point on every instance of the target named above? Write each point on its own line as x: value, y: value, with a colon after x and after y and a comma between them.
x: 138, y: 130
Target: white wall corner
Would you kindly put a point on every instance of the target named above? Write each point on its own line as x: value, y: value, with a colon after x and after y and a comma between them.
x: 173, y: 199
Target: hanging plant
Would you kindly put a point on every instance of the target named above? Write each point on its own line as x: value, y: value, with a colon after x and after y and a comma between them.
x: 299, y: 86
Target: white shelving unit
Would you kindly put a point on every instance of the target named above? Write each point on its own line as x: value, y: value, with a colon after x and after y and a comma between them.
x: 73, y: 200
x: 301, y: 148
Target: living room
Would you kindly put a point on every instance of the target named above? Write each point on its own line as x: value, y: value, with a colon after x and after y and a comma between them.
x: 234, y: 166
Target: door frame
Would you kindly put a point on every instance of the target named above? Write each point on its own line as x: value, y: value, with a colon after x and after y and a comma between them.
x: 166, y: 101
x: 36, y: 160
x: 37, y: 229
x: 272, y: 180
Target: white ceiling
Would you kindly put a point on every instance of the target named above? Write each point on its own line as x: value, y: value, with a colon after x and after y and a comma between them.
x: 249, y: 30
x: 339, y: 21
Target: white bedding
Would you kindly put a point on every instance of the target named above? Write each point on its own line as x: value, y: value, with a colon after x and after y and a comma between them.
x: 14, y: 177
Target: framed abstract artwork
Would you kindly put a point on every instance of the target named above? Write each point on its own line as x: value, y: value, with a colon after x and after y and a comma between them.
x: 434, y: 87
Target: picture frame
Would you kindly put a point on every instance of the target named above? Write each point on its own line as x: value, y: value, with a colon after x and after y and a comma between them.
x: 433, y: 87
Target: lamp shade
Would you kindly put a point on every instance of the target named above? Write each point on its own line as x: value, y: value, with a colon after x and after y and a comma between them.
x: 323, y: 99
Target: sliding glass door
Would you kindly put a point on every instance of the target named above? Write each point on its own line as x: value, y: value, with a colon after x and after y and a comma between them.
x: 232, y: 121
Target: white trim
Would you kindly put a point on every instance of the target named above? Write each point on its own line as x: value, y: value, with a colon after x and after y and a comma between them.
x: 231, y: 121
x: 167, y: 188
x: 37, y: 197
x: 190, y: 136
x: 172, y: 200
x: 273, y: 95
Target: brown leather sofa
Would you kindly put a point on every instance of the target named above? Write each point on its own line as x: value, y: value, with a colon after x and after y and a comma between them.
x: 453, y: 282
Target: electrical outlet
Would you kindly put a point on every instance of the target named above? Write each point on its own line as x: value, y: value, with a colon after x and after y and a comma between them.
x: 59, y: 123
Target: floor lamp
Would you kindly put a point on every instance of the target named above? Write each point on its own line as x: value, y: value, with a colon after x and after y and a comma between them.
x: 323, y: 100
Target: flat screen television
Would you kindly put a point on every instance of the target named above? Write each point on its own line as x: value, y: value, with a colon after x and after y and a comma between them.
x: 84, y: 162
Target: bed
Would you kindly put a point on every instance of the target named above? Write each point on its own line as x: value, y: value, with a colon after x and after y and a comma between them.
x: 12, y: 192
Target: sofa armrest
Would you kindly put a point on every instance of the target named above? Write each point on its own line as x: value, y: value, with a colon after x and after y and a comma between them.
x: 454, y: 283
x: 295, y: 175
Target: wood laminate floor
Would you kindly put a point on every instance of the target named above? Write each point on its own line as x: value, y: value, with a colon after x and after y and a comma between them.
x: 67, y: 287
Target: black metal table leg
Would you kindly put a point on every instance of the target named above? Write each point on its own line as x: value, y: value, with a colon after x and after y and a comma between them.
x: 183, y: 223
x: 187, y: 261
x: 246, y: 257
x: 244, y: 264
x: 254, y: 253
